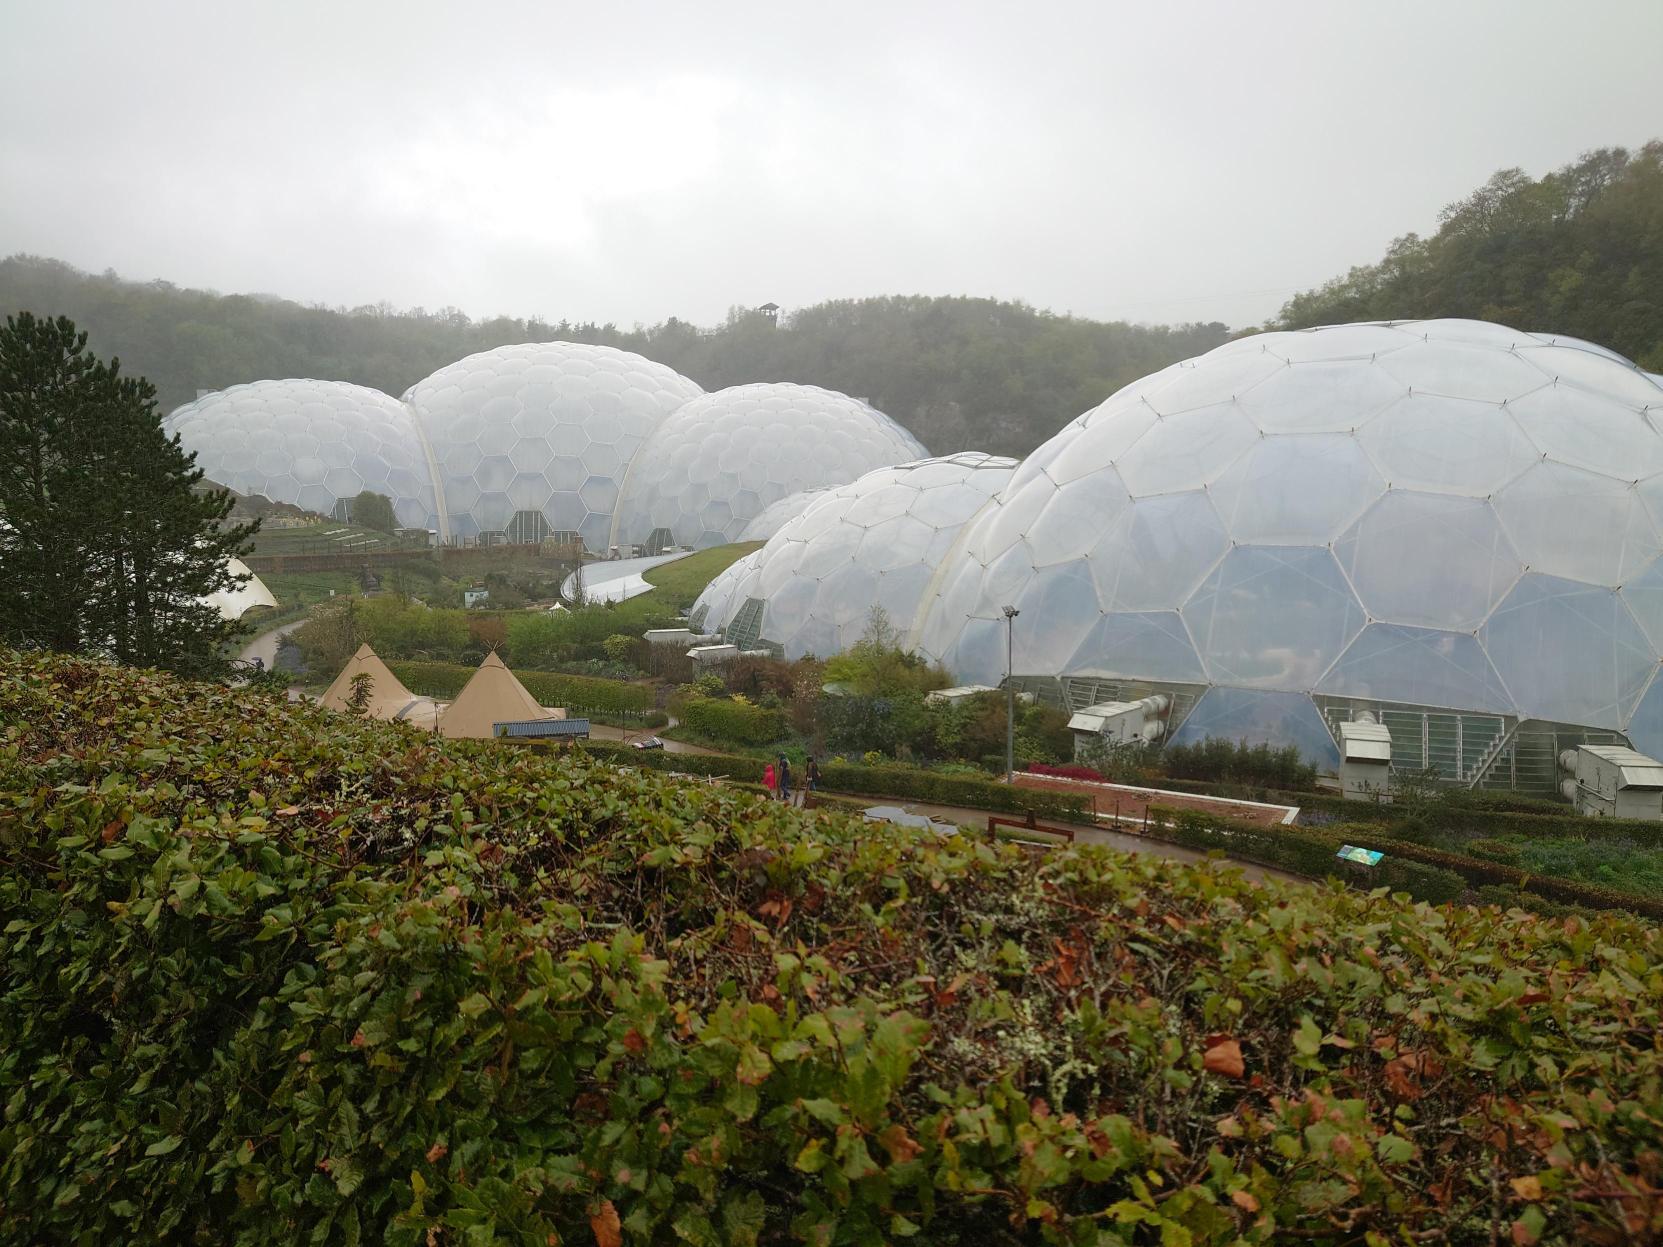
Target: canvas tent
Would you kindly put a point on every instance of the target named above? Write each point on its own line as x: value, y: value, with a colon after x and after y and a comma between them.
x: 492, y: 695
x: 389, y: 699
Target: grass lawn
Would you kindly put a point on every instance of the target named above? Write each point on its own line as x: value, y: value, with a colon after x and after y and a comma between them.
x: 304, y: 588
x: 1617, y: 864
x: 678, y: 585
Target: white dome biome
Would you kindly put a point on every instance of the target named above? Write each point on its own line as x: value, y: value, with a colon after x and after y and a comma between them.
x: 874, y: 542
x: 716, y: 604
x: 532, y: 441
x: 723, y: 458
x: 1413, y: 517
x: 314, y: 444
x: 773, y: 517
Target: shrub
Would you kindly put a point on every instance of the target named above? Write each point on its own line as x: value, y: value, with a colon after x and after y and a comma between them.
x: 655, y: 718
x: 272, y: 975
x: 727, y: 721
x: 1238, y: 762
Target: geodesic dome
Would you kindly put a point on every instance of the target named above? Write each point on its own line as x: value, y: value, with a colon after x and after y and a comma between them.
x: 873, y: 542
x: 314, y: 444
x: 715, y: 605
x: 773, y: 517
x: 1438, y: 514
x: 722, y: 458
x: 533, y: 440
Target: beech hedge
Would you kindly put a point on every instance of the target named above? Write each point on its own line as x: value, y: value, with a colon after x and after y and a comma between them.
x: 269, y: 975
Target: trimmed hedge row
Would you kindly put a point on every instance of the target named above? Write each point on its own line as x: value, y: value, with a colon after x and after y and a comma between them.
x: 602, y: 700
x: 893, y: 783
x: 273, y: 976
x: 1310, y: 851
x: 718, y: 718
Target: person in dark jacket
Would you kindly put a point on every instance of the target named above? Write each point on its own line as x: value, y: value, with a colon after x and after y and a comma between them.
x: 783, y: 773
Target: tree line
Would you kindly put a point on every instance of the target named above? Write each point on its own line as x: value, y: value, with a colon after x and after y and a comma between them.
x: 960, y: 373
x: 1578, y: 251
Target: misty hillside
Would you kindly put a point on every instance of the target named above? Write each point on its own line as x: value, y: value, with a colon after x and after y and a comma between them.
x: 961, y: 373
x: 1579, y: 251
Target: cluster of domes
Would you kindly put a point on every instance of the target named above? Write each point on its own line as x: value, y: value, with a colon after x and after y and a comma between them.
x: 1428, y: 515
x: 549, y: 439
x: 1448, y: 521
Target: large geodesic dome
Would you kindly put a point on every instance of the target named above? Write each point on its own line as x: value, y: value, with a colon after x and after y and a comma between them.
x: 1452, y: 522
x: 874, y: 542
x: 724, y: 457
x: 533, y: 440
x: 314, y: 444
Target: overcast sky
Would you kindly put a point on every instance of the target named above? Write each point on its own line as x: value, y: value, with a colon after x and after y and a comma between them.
x: 1151, y: 161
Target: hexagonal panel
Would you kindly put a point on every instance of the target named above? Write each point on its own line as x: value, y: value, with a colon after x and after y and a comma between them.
x: 1261, y: 718
x: 1158, y: 552
x: 1566, y: 522
x: 1569, y: 652
x: 1421, y: 666
x: 1257, y: 507
x: 1186, y: 451
x: 1447, y: 445
x: 1272, y: 617
x: 1429, y: 559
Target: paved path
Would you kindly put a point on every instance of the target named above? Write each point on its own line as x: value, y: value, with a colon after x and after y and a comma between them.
x: 601, y: 731
x: 264, y: 646
x: 616, y: 580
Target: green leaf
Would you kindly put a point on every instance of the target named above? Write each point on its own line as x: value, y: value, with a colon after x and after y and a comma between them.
x: 165, y: 1147
x: 1394, y: 1149
x: 1307, y: 1039
x: 474, y: 1005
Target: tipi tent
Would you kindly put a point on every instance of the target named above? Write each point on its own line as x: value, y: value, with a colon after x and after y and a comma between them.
x: 388, y: 697
x: 491, y: 696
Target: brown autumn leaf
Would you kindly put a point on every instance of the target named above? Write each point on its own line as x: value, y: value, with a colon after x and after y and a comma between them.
x: 358, y: 1040
x: 1245, y: 1200
x: 1522, y: 1235
x: 112, y: 829
x: 1224, y: 1057
x: 436, y: 1153
x: 609, y: 1231
x: 633, y: 1040
x: 1528, y: 1187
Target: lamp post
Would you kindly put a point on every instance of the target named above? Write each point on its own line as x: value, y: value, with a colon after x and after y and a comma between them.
x: 1010, y: 693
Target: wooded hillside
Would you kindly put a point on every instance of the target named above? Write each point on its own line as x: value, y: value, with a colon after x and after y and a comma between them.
x: 961, y: 373
x: 1579, y: 251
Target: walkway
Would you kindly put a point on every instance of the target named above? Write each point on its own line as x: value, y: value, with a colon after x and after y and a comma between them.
x: 616, y: 580
x: 264, y: 646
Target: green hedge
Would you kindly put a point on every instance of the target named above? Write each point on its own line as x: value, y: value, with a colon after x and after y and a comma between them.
x: 270, y: 976
x: 884, y: 782
x: 722, y: 719
x: 605, y: 701
x: 1310, y: 851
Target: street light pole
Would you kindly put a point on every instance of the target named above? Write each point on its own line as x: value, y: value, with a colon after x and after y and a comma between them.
x: 1010, y: 693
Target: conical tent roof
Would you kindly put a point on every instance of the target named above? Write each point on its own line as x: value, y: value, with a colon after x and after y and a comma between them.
x: 491, y: 696
x: 388, y: 695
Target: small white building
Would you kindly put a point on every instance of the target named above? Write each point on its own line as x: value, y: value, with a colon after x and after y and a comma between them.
x: 677, y: 636
x: 1611, y: 781
x: 712, y: 655
x: 953, y: 696
x: 1365, y: 759
x: 1120, y: 722
x: 475, y: 597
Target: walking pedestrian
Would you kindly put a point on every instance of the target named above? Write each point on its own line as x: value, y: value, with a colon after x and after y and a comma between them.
x: 768, y: 781
x: 785, y: 780
x: 811, y: 773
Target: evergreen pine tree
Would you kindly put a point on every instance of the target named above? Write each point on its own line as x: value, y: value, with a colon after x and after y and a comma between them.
x: 108, y: 543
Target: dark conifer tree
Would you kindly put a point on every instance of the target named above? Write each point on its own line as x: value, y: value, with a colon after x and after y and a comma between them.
x: 108, y: 543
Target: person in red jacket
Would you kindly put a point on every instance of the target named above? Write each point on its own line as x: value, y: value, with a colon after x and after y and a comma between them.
x: 768, y: 780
